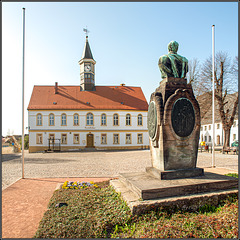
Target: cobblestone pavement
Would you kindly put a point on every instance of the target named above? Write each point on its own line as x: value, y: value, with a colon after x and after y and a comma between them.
x: 91, y: 164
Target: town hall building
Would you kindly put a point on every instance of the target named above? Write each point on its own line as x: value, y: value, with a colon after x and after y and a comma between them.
x: 68, y: 118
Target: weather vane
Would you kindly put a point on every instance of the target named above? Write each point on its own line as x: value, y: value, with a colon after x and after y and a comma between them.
x: 86, y: 31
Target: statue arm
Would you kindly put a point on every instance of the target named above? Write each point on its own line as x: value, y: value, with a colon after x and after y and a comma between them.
x: 162, y: 66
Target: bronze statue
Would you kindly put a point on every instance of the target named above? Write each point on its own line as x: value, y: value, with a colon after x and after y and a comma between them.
x: 172, y: 64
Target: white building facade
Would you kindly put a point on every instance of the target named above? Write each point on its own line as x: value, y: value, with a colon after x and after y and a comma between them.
x: 206, y: 133
x: 87, y: 129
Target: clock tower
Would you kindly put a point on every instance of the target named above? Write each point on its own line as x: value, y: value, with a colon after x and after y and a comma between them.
x: 87, y: 69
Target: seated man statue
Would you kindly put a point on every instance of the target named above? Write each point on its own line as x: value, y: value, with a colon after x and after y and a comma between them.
x: 172, y: 64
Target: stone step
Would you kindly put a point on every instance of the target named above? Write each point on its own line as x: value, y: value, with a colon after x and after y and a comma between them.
x: 146, y: 186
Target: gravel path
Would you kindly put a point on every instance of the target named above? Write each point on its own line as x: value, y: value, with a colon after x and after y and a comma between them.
x: 91, y: 164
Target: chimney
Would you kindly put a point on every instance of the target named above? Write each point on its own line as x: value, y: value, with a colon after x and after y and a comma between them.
x: 56, y: 87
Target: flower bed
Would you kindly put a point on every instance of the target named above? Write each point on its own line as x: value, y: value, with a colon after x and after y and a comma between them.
x: 78, y: 185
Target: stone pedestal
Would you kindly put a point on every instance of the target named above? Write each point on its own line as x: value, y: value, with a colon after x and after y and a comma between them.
x: 174, y: 128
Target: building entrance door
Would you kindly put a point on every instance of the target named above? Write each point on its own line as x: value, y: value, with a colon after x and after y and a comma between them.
x: 90, y: 140
x: 218, y: 140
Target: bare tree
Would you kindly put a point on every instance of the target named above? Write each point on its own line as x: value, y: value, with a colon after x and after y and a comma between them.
x: 225, y: 78
x: 193, y: 76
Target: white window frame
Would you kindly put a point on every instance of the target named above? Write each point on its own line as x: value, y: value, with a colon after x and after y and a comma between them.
x: 75, y: 119
x: 103, y: 119
x: 39, y: 119
x: 115, y: 119
x: 115, y: 136
x: 128, y: 140
x: 140, y: 120
x: 103, y: 138
x: 89, y: 119
x: 74, y: 138
x: 140, y: 142
x: 128, y: 119
x: 62, y: 138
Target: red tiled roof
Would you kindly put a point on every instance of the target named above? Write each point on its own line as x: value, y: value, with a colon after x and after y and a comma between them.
x: 105, y: 97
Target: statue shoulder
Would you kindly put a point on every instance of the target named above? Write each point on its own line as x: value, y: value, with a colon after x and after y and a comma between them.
x: 163, y: 59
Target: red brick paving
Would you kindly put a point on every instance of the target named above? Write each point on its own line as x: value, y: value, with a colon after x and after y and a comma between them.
x: 24, y: 203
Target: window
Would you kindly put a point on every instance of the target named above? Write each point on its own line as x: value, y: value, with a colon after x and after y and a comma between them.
x: 128, y: 138
x: 140, y: 120
x: 234, y: 124
x: 103, y: 119
x: 39, y: 119
x: 205, y: 138
x: 64, y: 119
x: 51, y: 119
x: 51, y: 137
x: 218, y: 126
x: 104, y: 138
x: 210, y: 139
x: 205, y: 128
x: 75, y: 119
x: 234, y: 137
x: 201, y: 128
x: 39, y: 138
x: 140, y: 138
x: 64, y: 139
x: 116, y: 138
x: 128, y: 119
x: 115, y: 119
x: 89, y: 119
x: 209, y: 127
x: 76, y: 138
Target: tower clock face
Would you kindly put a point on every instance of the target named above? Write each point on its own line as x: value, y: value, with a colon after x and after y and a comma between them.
x: 87, y: 68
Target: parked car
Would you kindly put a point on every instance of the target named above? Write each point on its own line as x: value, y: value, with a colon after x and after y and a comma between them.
x: 234, y: 147
x: 235, y: 143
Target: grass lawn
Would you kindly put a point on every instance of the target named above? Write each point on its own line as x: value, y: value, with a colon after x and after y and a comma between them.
x: 101, y: 213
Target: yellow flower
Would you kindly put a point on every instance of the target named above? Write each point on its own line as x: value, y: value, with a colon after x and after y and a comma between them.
x: 95, y: 185
x: 65, y: 184
x: 91, y: 182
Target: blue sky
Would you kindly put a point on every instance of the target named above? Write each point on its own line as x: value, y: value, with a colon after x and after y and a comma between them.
x: 126, y: 40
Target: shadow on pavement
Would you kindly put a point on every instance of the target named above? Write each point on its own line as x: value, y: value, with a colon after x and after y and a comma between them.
x: 9, y: 157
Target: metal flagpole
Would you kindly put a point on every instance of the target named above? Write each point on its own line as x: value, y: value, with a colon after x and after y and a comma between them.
x: 213, y: 97
x: 23, y: 93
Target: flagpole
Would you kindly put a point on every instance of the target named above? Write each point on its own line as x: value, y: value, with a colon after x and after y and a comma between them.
x: 213, y: 96
x: 23, y: 65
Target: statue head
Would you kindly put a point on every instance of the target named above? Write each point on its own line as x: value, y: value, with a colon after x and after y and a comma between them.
x: 173, y: 46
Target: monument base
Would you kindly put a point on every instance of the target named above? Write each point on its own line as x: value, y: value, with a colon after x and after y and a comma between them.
x: 175, y: 174
x: 147, y: 186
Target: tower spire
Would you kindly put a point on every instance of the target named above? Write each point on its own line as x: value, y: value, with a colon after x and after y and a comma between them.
x: 87, y: 51
x: 87, y: 67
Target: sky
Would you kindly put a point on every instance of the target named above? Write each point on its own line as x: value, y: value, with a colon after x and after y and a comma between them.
x: 126, y: 41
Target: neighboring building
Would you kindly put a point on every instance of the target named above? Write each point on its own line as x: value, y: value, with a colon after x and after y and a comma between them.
x: 87, y: 116
x: 206, y: 131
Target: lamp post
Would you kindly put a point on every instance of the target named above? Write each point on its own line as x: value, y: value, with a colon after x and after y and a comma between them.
x: 213, y: 96
x: 23, y: 65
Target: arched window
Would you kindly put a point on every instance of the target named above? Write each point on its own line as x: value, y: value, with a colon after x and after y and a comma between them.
x: 103, y: 119
x: 115, y: 119
x: 64, y: 119
x: 140, y: 120
x: 51, y: 119
x: 39, y: 119
x: 89, y: 119
x: 75, y: 119
x: 128, y: 119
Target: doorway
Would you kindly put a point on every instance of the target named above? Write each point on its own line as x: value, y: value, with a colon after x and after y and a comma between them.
x: 90, y: 140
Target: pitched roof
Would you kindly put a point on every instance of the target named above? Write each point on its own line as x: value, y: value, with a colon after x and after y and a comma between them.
x: 205, y: 104
x: 87, y: 51
x: 105, y: 97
